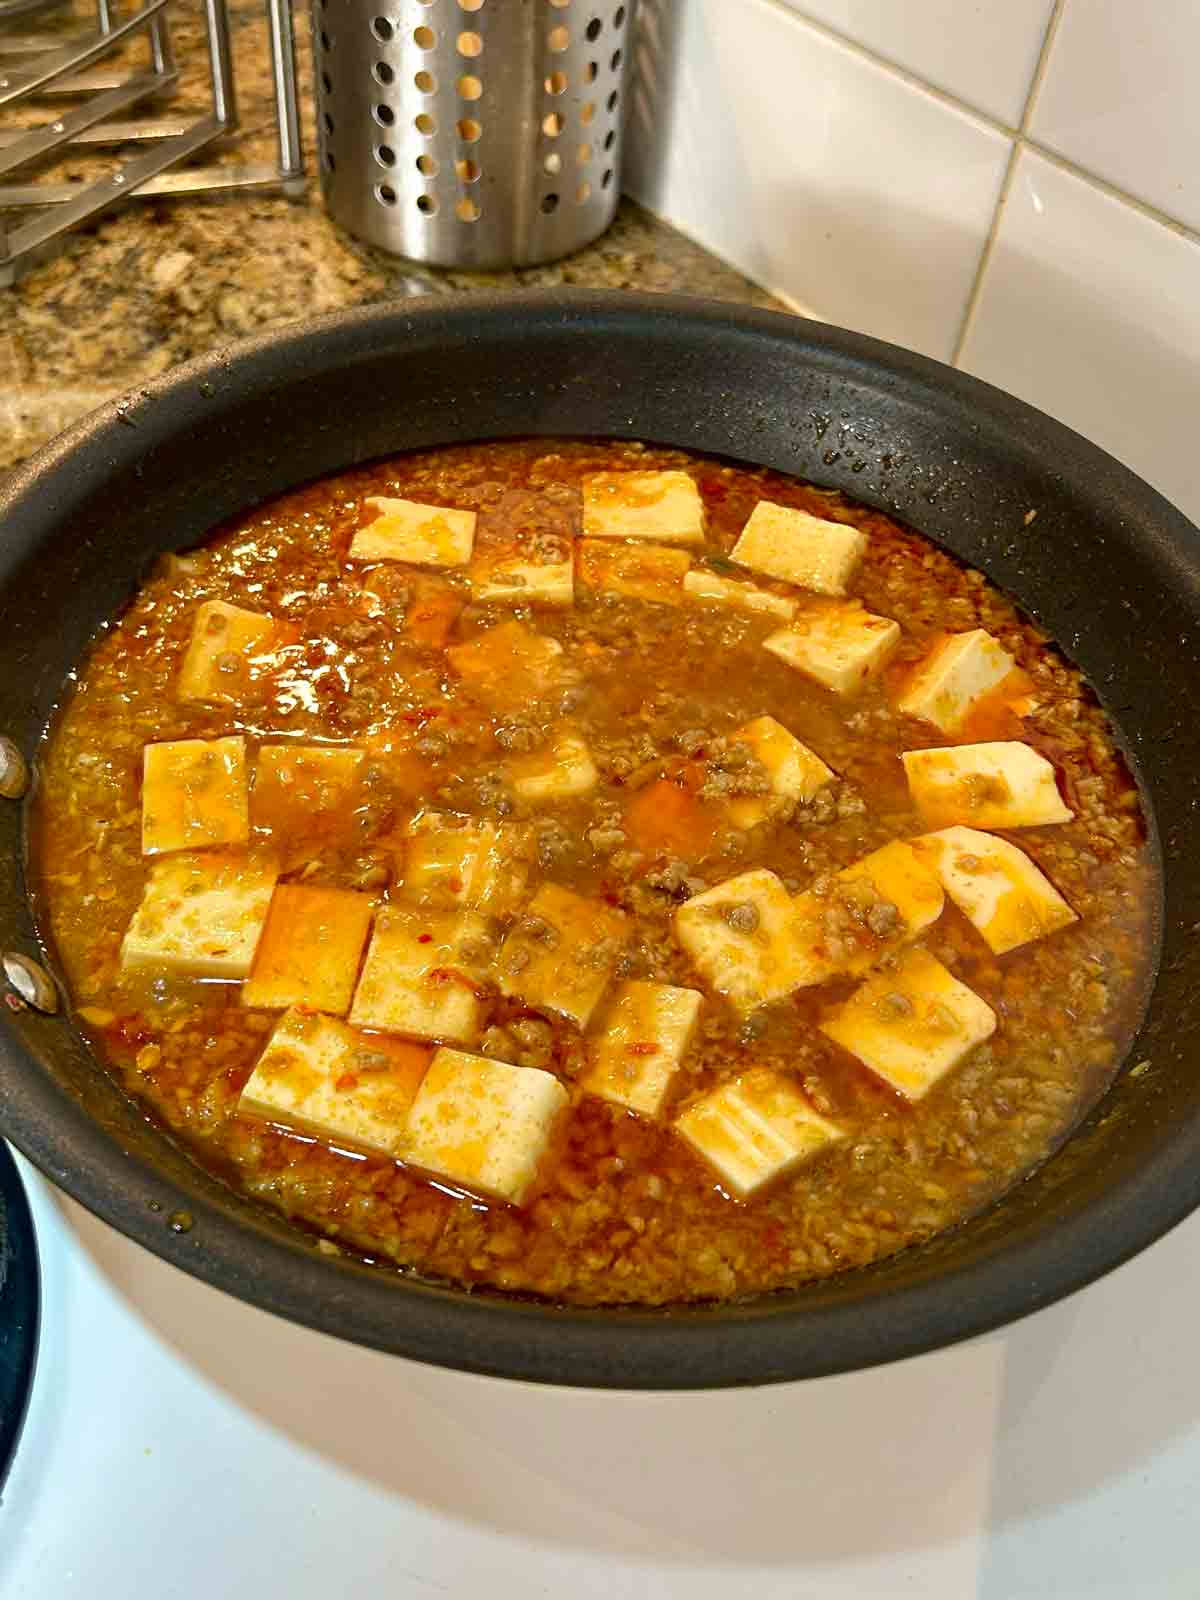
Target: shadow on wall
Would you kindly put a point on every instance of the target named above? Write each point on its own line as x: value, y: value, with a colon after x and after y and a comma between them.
x: 794, y: 197
x: 652, y: 118
x: 947, y: 1448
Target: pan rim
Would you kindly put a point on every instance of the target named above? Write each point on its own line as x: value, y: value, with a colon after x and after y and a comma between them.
x: 677, y: 1348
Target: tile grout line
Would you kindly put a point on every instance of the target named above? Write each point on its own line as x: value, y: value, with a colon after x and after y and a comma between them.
x: 985, y: 254
x: 905, y: 74
x: 1010, y: 173
x: 1113, y: 191
x: 1020, y: 137
x: 790, y: 10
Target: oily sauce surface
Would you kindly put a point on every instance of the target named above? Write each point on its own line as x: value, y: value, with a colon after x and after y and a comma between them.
x: 626, y: 1213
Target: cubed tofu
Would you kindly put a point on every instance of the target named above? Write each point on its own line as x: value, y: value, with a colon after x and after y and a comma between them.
x: 560, y: 955
x: 194, y: 793
x: 796, y: 772
x: 510, y: 575
x: 911, y: 1023
x: 434, y: 606
x: 638, y: 571
x: 707, y: 587
x: 840, y: 646
x: 423, y: 536
x: 301, y: 790
x: 460, y: 861
x: 1002, y: 785
x: 957, y: 674
x: 395, y: 770
x: 808, y: 551
x: 310, y: 950
x: 227, y: 643
x: 996, y: 886
x: 562, y: 769
x: 664, y: 507
x: 755, y: 1129
x: 348, y: 1088
x: 754, y: 943
x: 509, y: 666
x: 666, y: 820
x: 484, y: 1126
x: 201, y: 915
x: 872, y: 907
x: 739, y: 936
x: 638, y: 1051
x: 423, y: 973
x: 427, y: 604
x: 896, y: 875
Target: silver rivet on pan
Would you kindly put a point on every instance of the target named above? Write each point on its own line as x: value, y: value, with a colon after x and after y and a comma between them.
x: 14, y: 773
x: 31, y: 981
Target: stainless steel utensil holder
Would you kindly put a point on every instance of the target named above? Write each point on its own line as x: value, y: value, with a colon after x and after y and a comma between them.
x: 34, y: 68
x: 472, y: 133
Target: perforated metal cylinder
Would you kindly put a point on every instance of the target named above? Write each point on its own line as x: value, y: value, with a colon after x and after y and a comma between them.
x: 472, y: 133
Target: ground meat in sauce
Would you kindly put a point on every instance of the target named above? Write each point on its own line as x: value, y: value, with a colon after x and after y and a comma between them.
x: 626, y: 1214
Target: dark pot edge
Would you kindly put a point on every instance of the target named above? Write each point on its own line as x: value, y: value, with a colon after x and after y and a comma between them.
x: 1158, y: 1196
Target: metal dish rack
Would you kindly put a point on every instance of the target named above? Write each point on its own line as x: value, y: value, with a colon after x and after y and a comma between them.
x: 38, y: 69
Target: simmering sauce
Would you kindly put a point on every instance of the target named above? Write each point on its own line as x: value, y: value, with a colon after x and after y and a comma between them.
x: 530, y: 771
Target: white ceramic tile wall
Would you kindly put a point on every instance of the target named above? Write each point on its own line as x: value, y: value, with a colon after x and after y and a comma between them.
x: 983, y: 52
x: 1089, y: 309
x: 822, y: 173
x: 1011, y: 187
x: 1121, y: 97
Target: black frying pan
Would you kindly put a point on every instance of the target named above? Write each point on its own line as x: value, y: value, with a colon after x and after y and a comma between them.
x: 1106, y: 566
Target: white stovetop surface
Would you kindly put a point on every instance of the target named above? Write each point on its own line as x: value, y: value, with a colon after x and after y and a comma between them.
x: 182, y: 1445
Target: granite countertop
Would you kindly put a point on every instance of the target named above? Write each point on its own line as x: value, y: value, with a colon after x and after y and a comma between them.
x: 161, y: 281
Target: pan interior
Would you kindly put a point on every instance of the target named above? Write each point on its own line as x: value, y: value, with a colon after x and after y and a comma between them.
x: 1103, y: 562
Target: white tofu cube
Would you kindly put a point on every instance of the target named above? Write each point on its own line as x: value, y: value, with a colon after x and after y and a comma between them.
x: 796, y: 772
x: 560, y: 955
x: 434, y: 608
x: 996, y: 886
x: 560, y: 771
x: 740, y: 938
x: 484, y: 1126
x: 423, y: 973
x: 201, y: 915
x: 1006, y: 784
x: 708, y: 588
x: 754, y: 1130
x: 811, y: 552
x: 459, y: 861
x: 638, y: 1051
x: 227, y: 643
x: 349, y: 1088
x: 509, y: 666
x: 510, y: 575
x: 873, y: 906
x: 912, y: 1023
x: 840, y: 646
x: 194, y: 793
x: 959, y: 672
x: 423, y: 536
x: 639, y: 571
x: 662, y: 506
x: 310, y: 949
x: 304, y: 790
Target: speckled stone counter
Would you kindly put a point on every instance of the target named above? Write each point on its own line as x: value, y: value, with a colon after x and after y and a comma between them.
x: 162, y: 281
